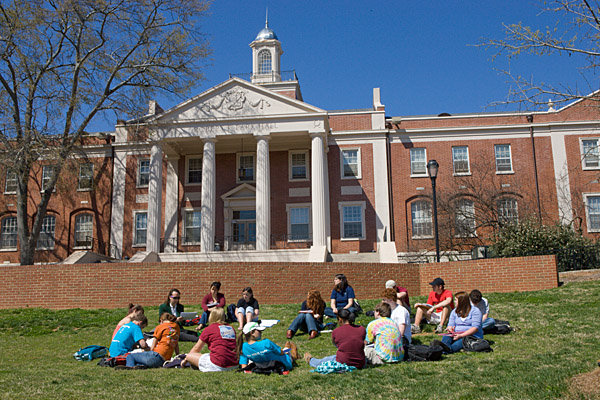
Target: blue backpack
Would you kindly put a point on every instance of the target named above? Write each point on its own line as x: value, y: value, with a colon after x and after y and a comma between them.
x: 90, y: 352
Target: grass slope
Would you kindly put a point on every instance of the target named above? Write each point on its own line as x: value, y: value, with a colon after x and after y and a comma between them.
x: 557, y: 339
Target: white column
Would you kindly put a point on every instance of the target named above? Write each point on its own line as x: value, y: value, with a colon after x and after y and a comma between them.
x: 171, y: 204
x: 118, y: 204
x: 154, y: 199
x: 317, y: 181
x: 263, y: 194
x: 208, y: 197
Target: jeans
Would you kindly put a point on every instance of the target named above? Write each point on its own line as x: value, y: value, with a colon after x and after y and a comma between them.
x: 455, y: 345
x: 489, y: 322
x: 306, y: 323
x: 329, y: 311
x: 315, y: 362
x: 204, y: 318
x: 150, y: 359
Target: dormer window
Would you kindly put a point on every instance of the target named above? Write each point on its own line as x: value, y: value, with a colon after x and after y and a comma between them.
x: 264, y: 62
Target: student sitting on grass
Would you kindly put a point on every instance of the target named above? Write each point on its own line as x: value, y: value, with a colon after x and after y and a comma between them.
x: 167, y: 342
x: 477, y: 300
x: 342, y: 297
x: 246, y: 308
x: 174, y: 307
x: 133, y: 310
x: 220, y: 339
x: 210, y: 301
x: 442, y: 300
x: 464, y: 321
x: 385, y: 337
x: 399, y: 315
x: 128, y: 336
x: 401, y: 294
x: 349, y: 340
x: 310, y: 316
x: 259, y: 350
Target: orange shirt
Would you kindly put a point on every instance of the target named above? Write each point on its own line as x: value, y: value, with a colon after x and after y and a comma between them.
x: 167, y: 336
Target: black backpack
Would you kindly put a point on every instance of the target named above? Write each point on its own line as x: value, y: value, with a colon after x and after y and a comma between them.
x: 500, y: 328
x: 472, y: 343
x: 231, y: 317
x: 421, y: 352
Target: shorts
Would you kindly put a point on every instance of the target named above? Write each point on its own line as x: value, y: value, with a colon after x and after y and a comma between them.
x: 436, y: 318
x: 242, y: 310
x: 205, y: 365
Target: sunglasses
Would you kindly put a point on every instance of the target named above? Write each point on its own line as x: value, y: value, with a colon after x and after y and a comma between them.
x: 175, y: 297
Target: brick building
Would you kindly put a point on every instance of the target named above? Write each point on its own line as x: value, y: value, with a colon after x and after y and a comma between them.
x: 248, y: 171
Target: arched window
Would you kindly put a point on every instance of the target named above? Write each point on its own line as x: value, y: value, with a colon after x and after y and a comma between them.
x: 8, y: 235
x: 508, y: 211
x: 84, y: 230
x: 421, y: 219
x: 264, y: 62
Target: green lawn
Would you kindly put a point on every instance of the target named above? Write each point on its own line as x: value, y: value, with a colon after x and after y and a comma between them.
x: 557, y: 339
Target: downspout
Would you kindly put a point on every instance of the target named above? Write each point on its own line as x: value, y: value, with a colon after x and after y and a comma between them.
x: 535, y: 171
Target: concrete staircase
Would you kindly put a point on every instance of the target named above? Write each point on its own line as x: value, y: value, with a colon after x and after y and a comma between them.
x: 370, y: 258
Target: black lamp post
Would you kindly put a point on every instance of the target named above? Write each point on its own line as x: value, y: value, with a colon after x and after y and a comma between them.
x: 432, y: 171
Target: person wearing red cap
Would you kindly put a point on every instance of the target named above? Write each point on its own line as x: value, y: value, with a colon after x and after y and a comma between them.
x: 437, y: 309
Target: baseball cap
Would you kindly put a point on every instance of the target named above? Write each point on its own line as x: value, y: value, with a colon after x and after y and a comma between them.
x: 390, y: 284
x: 250, y: 326
x: 437, y: 282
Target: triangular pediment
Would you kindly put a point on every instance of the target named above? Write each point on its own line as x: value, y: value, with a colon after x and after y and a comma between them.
x: 243, y: 191
x: 235, y: 99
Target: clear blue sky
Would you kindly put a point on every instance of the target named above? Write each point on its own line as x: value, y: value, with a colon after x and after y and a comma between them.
x: 420, y: 53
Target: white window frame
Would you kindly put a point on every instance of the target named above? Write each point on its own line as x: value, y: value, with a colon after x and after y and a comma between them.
x: 91, y: 244
x: 509, y: 159
x: 10, y: 230
x: 460, y: 215
x: 138, y: 178
x: 237, y: 169
x: 414, y: 174
x: 135, y: 230
x: 358, y: 163
x: 80, y: 176
x: 595, y: 151
x: 185, y: 242
x: 502, y: 211
x: 9, y: 178
x: 415, y: 231
x: 468, y: 160
x: 261, y: 62
x: 187, y: 170
x: 44, y: 230
x: 47, y: 172
x: 291, y: 153
x: 344, y: 204
x: 288, y: 209
x: 586, y: 197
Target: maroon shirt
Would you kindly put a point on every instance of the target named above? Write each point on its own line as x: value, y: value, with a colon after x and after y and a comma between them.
x: 350, y: 342
x: 221, y: 344
x: 406, y: 299
x: 208, y: 299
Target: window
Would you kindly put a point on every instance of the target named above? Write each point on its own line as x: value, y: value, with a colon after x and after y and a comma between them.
x: 507, y: 210
x: 191, y: 223
x: 46, y: 238
x: 351, y: 163
x: 592, y: 203
x: 264, y: 62
x: 140, y: 233
x: 589, y: 148
x: 503, y: 158
x: 460, y: 160
x: 246, y: 168
x: 298, y: 223
x: 298, y: 165
x: 143, y: 177
x: 8, y: 236
x: 47, y: 172
x: 418, y: 162
x: 194, y: 170
x: 352, y: 216
x: 83, y: 230
x: 86, y: 176
x: 465, y: 218
x: 11, y: 182
x: 421, y: 219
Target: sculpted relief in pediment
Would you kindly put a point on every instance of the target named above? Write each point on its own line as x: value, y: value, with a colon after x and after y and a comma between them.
x: 235, y: 101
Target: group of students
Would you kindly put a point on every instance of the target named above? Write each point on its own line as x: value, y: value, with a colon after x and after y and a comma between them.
x: 384, y: 340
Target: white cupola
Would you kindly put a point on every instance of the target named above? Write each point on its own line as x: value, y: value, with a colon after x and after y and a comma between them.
x: 266, y: 56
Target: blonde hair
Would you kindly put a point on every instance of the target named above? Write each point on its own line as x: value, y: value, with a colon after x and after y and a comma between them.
x: 217, y: 314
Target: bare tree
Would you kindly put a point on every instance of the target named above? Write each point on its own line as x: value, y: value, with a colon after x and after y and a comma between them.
x: 64, y: 62
x: 576, y: 34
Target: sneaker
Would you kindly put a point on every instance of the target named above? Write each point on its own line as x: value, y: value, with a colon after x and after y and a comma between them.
x: 439, y: 329
x: 443, y: 345
x: 289, y: 334
x: 415, y: 329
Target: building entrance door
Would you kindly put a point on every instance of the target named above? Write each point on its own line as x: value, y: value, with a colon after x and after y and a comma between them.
x: 243, y: 228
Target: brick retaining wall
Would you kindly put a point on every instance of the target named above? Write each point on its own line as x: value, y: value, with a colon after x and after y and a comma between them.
x: 107, y: 285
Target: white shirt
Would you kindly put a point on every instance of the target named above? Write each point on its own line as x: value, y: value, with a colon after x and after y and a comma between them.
x: 400, y: 316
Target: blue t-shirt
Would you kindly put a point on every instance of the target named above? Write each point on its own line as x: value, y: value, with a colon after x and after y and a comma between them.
x: 125, y: 338
x: 264, y: 351
x: 464, y: 324
x: 341, y: 298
